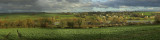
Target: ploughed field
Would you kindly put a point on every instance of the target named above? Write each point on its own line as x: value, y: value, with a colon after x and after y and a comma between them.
x: 139, y: 32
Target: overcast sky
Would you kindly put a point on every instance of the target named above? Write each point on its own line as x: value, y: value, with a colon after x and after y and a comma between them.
x: 78, y: 5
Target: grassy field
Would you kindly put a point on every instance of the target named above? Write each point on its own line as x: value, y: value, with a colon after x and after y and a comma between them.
x: 144, y: 32
x: 13, y: 17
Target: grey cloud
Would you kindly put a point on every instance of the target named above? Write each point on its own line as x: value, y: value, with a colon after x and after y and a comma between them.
x: 20, y: 2
x: 74, y: 1
x: 64, y: 4
x: 72, y: 5
x: 144, y: 3
x: 26, y: 5
x: 59, y: 0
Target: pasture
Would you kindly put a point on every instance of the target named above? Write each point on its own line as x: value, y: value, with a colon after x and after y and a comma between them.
x: 139, y: 32
x: 23, y: 16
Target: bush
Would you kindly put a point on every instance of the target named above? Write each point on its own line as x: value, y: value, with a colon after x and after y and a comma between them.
x: 63, y: 23
x: 157, y: 19
x: 118, y: 20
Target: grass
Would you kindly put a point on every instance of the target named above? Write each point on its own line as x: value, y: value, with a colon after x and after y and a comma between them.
x: 22, y: 16
x: 13, y: 17
x: 144, y: 32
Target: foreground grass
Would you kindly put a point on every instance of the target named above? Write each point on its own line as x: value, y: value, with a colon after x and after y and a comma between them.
x: 145, y: 32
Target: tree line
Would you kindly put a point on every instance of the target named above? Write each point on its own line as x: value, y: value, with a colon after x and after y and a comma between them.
x: 80, y: 21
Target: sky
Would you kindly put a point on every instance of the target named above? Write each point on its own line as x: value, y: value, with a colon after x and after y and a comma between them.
x: 78, y: 5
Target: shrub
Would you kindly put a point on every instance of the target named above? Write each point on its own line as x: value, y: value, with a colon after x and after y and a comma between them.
x: 63, y: 23
x: 118, y: 20
x: 70, y: 24
x: 157, y: 19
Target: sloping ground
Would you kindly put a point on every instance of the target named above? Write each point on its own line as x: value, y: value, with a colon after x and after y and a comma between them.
x: 145, y: 32
x: 14, y: 17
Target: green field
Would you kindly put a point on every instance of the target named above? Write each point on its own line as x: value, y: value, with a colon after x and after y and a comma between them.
x: 145, y: 32
x: 22, y: 16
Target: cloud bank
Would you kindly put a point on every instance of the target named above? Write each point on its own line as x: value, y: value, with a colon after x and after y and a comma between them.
x: 78, y: 5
